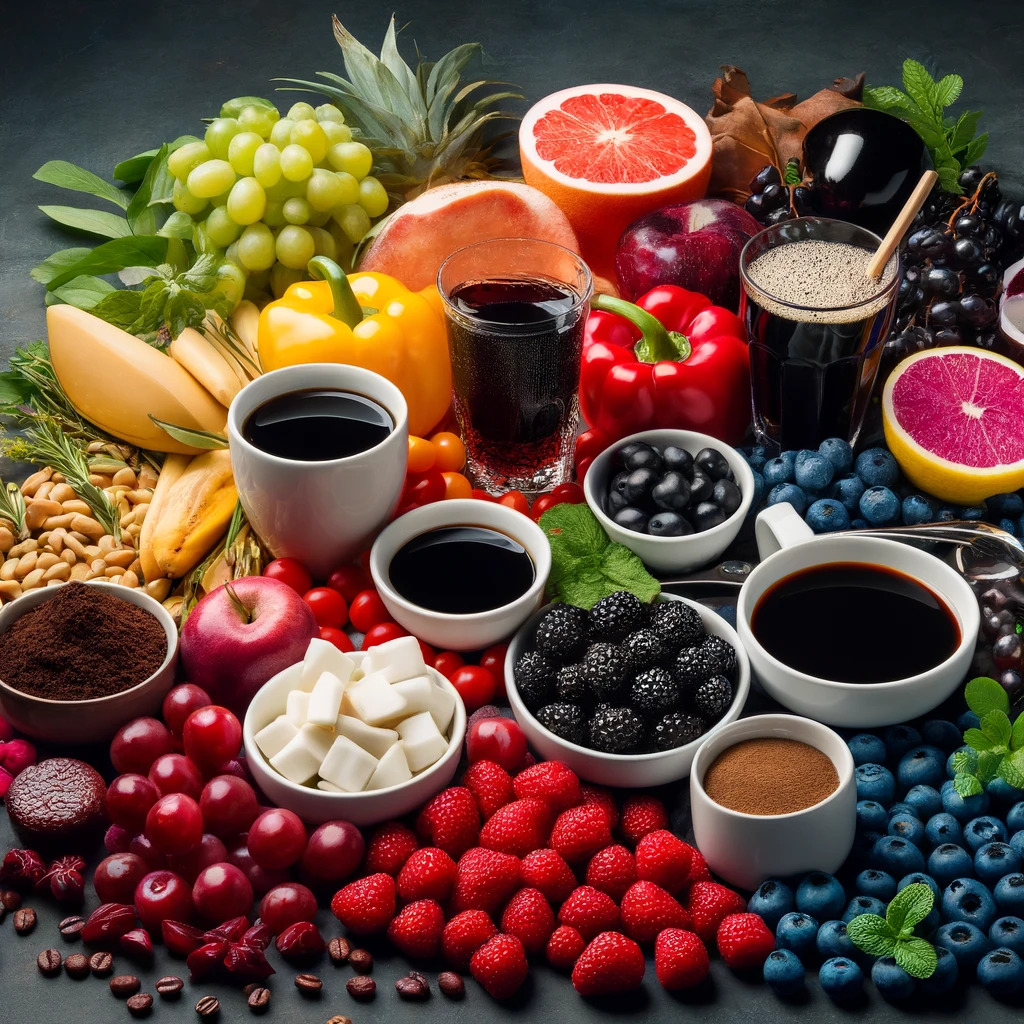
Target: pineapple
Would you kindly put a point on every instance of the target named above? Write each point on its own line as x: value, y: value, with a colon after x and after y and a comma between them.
x: 423, y: 128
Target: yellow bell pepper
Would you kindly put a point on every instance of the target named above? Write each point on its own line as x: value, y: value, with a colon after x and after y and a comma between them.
x: 367, y: 320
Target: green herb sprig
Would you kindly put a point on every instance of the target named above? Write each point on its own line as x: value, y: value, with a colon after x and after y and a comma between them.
x: 996, y: 747
x: 12, y: 508
x: 893, y: 935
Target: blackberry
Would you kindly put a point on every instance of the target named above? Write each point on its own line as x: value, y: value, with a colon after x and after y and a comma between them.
x: 692, y: 666
x: 676, y: 624
x: 713, y: 697
x: 677, y: 728
x: 616, y: 730
x: 605, y: 668
x: 570, y: 686
x: 616, y: 616
x: 565, y: 720
x: 720, y: 654
x: 535, y: 679
x: 562, y: 634
x: 654, y: 692
x: 643, y: 649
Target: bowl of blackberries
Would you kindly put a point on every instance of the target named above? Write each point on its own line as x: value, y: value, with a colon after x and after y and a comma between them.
x: 675, y: 497
x: 626, y: 692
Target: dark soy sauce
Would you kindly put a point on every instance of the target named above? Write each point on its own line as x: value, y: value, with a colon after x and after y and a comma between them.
x: 461, y: 570
x: 317, y: 425
x: 851, y: 622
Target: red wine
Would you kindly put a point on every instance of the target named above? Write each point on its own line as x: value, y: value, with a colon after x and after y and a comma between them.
x: 853, y: 622
x: 317, y: 425
x: 460, y: 570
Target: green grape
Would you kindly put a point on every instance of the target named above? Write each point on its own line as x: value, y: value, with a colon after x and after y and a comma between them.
x: 286, y: 189
x: 336, y: 132
x: 258, y: 119
x: 257, y: 286
x: 324, y: 243
x: 281, y: 133
x: 273, y: 215
x: 301, y: 111
x: 219, y: 134
x: 185, y: 201
x: 231, y: 253
x: 282, y: 277
x: 247, y: 201
x: 319, y: 218
x: 177, y: 225
x: 231, y: 282
x: 354, y: 221
x: 323, y: 190
x: 241, y: 151
x: 256, y: 247
x: 349, y: 188
x: 311, y: 137
x: 211, y: 178
x: 186, y: 158
x: 201, y: 241
x: 343, y: 246
x: 296, y: 163
x: 294, y: 247
x: 266, y: 164
x: 295, y: 210
x: 353, y: 157
x: 220, y: 228
x: 329, y: 112
x: 373, y: 197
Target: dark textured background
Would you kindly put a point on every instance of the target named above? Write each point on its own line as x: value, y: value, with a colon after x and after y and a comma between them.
x: 94, y: 81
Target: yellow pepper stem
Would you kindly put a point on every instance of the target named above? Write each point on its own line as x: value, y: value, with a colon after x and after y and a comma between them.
x: 346, y: 305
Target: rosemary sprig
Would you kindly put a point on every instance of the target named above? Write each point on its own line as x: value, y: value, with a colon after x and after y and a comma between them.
x: 12, y: 507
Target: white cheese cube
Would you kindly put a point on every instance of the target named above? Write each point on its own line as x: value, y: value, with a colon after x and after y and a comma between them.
x: 398, y: 659
x: 300, y: 759
x: 373, y: 701
x: 416, y: 692
x: 422, y: 742
x: 328, y: 787
x: 322, y: 656
x: 325, y: 701
x: 391, y: 769
x: 273, y: 738
x: 297, y: 707
x: 441, y: 707
x: 373, y: 740
x: 347, y: 765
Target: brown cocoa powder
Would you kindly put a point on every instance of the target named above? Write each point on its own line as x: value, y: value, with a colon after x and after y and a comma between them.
x: 770, y: 776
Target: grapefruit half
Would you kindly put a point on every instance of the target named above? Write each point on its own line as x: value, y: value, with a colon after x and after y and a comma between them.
x: 608, y: 154
x: 954, y: 421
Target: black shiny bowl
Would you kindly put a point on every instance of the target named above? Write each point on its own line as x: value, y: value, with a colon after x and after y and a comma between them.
x: 865, y: 164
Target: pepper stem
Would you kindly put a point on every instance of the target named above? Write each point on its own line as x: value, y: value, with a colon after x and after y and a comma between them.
x: 346, y: 305
x: 657, y: 342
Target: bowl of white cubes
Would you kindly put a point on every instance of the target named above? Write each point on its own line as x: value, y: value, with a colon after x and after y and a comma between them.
x: 364, y: 736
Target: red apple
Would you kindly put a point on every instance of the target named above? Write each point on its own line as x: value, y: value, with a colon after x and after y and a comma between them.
x: 694, y: 245
x: 241, y: 634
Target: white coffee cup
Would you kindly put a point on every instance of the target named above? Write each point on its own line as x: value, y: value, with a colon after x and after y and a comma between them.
x: 323, y: 513
x: 787, y: 545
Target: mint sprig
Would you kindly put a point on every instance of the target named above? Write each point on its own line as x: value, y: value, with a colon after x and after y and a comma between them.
x: 893, y: 935
x: 996, y: 747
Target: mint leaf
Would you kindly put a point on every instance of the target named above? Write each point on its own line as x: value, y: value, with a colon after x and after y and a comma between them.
x: 1009, y: 772
x: 947, y: 90
x: 920, y: 87
x: 996, y: 726
x: 965, y: 761
x: 978, y: 740
x: 134, y: 168
x: 963, y: 131
x: 917, y: 957
x: 1017, y: 733
x: 119, y: 308
x: 909, y: 907
x: 988, y: 765
x: 890, y: 99
x: 112, y: 256
x: 625, y: 571
x: 949, y: 178
x: 976, y: 150
x: 983, y: 694
x: 872, y: 934
x: 967, y: 785
x: 78, y: 179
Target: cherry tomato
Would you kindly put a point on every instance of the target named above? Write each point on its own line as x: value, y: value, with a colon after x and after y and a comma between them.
x: 427, y: 651
x: 568, y: 494
x: 482, y: 495
x: 348, y: 580
x: 451, y: 452
x: 381, y: 634
x: 367, y: 610
x: 328, y: 606
x: 540, y: 506
x: 516, y: 500
x: 447, y: 662
x: 589, y: 445
x: 364, y: 562
x: 456, y: 486
x: 476, y: 686
x: 493, y: 659
x: 581, y: 468
x: 496, y: 739
x: 338, y: 637
x: 422, y: 455
x: 421, y: 489
x: 291, y: 572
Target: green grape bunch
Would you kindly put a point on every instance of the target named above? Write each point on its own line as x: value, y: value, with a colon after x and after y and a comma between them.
x: 271, y: 192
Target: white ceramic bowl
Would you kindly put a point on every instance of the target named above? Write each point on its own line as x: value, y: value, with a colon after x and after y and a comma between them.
x: 316, y: 806
x: 745, y: 849
x: 97, y: 719
x: 460, y: 632
x: 671, y: 554
x: 627, y: 770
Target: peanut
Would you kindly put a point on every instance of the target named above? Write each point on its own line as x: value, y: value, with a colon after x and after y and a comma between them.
x: 62, y: 493
x: 26, y: 564
x: 31, y: 485
x: 47, y: 560
x: 129, y: 579
x: 141, y: 511
x: 113, y: 571
x: 9, y: 590
x: 122, y: 557
x: 157, y: 589
x: 67, y: 555
x: 126, y: 476
x: 97, y: 565
x: 147, y: 477
x: 82, y: 571
x: 55, y: 542
x: 59, y: 478
x: 91, y: 550
x: 76, y: 505
x: 32, y: 579
x: 9, y: 569
x: 107, y: 543
x: 99, y: 479
x: 87, y: 526
x: 64, y: 519
x: 76, y: 547
x: 43, y: 490
x: 44, y: 538
x: 27, y: 545
x: 38, y: 510
x: 6, y: 539
x: 60, y: 571
x: 136, y: 567
x: 134, y: 530
x: 127, y: 519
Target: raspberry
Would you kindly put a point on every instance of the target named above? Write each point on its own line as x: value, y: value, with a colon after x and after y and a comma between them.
x: 603, y: 798
x: 485, y: 880
x: 530, y: 919
x: 648, y: 909
x: 680, y: 959
x: 564, y: 947
x: 699, y: 870
x: 640, y: 815
x: 580, y: 832
x: 389, y: 848
x: 450, y: 821
x: 463, y: 935
x: 500, y: 966
x: 517, y: 828
x: 366, y: 905
x: 710, y: 903
x: 428, y: 874
x: 490, y: 785
x: 663, y: 858
x: 744, y: 940
x: 552, y: 782
x: 547, y: 871
x: 589, y: 911
x: 416, y: 931
x: 611, y: 963
x: 612, y: 870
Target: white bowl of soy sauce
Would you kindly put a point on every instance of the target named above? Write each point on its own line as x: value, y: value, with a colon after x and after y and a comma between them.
x: 461, y: 574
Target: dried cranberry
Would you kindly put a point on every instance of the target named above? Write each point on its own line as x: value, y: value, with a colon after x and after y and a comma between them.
x: 247, y: 963
x: 232, y: 930
x: 109, y: 921
x: 6, y: 780
x: 301, y: 939
x: 179, y: 938
x: 117, y: 839
x: 258, y: 936
x: 17, y: 755
x: 206, y: 960
x: 64, y: 879
x: 22, y: 868
x: 138, y: 944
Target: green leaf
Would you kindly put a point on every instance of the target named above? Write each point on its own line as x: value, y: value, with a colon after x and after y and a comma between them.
x: 141, y: 218
x: 134, y: 168
x: 909, y: 907
x: 965, y: 761
x: 202, y: 275
x: 1015, y: 760
x: 84, y: 292
x: 57, y: 262
x: 78, y: 179
x: 947, y: 90
x: 872, y: 934
x: 988, y: 765
x: 949, y: 178
x: 920, y: 87
x: 178, y: 225
x: 996, y: 726
x: 978, y: 740
x: 963, y: 131
x: 890, y: 99
x: 233, y: 107
x: 205, y: 439
x: 625, y: 571
x: 1010, y: 773
x: 976, y: 150
x: 119, y: 308
x: 115, y: 255
x: 967, y: 785
x: 984, y: 694
x: 917, y: 957
x: 95, y: 222
x: 932, y: 134
x: 1017, y: 733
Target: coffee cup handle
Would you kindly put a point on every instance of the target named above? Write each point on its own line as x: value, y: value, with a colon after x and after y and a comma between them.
x: 779, y: 526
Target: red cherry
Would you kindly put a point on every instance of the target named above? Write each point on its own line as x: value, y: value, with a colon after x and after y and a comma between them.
x: 333, y: 852
x: 221, y: 892
x: 338, y: 637
x: 496, y: 739
x: 447, y: 662
x: 493, y: 659
x: 138, y: 743
x: 285, y: 904
x: 262, y: 879
x: 277, y: 838
x: 291, y: 572
x: 211, y: 850
x: 349, y: 580
x: 366, y: 610
x: 328, y: 606
x: 475, y: 685
x: 162, y: 896
x: 116, y: 877
x: 176, y: 773
x: 129, y: 798
x: 180, y: 703
x: 212, y: 735
x: 228, y: 804
x: 381, y: 634
x: 174, y: 824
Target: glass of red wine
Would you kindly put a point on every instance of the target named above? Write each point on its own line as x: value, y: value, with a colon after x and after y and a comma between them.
x: 515, y: 312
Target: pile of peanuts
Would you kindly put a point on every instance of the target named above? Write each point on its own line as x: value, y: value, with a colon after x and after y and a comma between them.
x: 67, y: 542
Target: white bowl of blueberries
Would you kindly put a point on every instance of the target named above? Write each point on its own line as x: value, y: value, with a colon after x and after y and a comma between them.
x: 676, y: 498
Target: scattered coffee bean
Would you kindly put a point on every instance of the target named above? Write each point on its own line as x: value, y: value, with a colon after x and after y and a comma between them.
x: 77, y: 966
x: 451, y: 984
x: 10, y: 900
x: 208, y: 1007
x: 339, y: 1019
x: 363, y: 989
x: 71, y: 927
x: 24, y: 920
x: 49, y: 962
x: 361, y: 961
x: 413, y: 989
x: 169, y: 987
x: 250, y: 988
x: 101, y: 964
x: 308, y: 984
x: 125, y: 985
x: 259, y: 999
x: 338, y: 950
x: 140, y: 1004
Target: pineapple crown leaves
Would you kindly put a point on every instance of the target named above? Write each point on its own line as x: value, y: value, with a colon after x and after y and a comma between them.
x: 996, y: 748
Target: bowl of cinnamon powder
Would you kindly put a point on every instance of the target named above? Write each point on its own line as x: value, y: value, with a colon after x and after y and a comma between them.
x: 79, y: 660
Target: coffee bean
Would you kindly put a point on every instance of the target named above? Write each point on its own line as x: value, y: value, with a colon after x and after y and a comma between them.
x: 140, y: 1004
x: 49, y: 962
x: 248, y: 990
x: 338, y: 950
x: 101, y: 964
x: 208, y: 1007
x: 308, y: 984
x: 339, y: 1019
x: 362, y: 989
x: 412, y: 989
x: 125, y: 985
x: 71, y: 927
x: 361, y: 961
x: 10, y: 899
x: 421, y: 978
x: 451, y: 984
x: 259, y: 999
x: 169, y: 987
x: 77, y: 966
x: 24, y: 920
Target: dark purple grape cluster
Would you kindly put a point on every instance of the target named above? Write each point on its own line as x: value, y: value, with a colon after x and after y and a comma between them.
x: 1000, y: 650
x: 775, y: 196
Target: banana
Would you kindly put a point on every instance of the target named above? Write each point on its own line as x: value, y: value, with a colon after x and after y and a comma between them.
x: 245, y: 322
x: 192, y: 351
x: 197, y: 511
x: 170, y: 472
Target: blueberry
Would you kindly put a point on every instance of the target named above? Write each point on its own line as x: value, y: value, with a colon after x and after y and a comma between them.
x: 896, y: 856
x: 999, y: 789
x: 871, y: 816
x: 879, y: 884
x: 726, y: 495
x: 827, y: 515
x: 876, y: 467
x: 679, y: 460
x: 791, y: 493
x: 1009, y: 894
x: 866, y: 748
x: 616, y: 502
x: 772, y: 899
x: 847, y: 492
x: 1017, y: 843
x: 965, y: 941
x: 963, y: 809
x: 941, y: 733
x: 875, y: 782
x: 1011, y: 504
x: 820, y: 895
x: 919, y: 878
x: 712, y: 463
x: 668, y: 524
x: 916, y: 509
x: 862, y: 905
x: 899, y: 739
x: 783, y: 972
x: 1008, y: 932
x: 879, y: 506
x: 858, y: 524
x: 1001, y: 972
x: 968, y: 720
x: 630, y: 518
x: 921, y: 766
x: 986, y: 829
x: 943, y: 828
x: 759, y: 490
x: 945, y: 975
x: 863, y: 844
x: 1009, y: 525
x: 701, y: 487
x: 893, y: 983
x: 994, y: 860
x: 841, y: 979
x: 706, y: 516
x: 907, y: 827
x: 638, y: 484
x: 780, y: 470
x: 671, y: 492
x: 902, y: 809
x: 838, y: 452
x: 641, y: 456
x: 798, y: 933
x: 832, y: 940
x: 966, y: 899
x: 972, y: 513
x: 947, y: 862
x: 925, y: 800
x: 812, y: 471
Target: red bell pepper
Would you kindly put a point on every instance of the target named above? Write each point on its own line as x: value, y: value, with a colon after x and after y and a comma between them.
x: 672, y: 359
